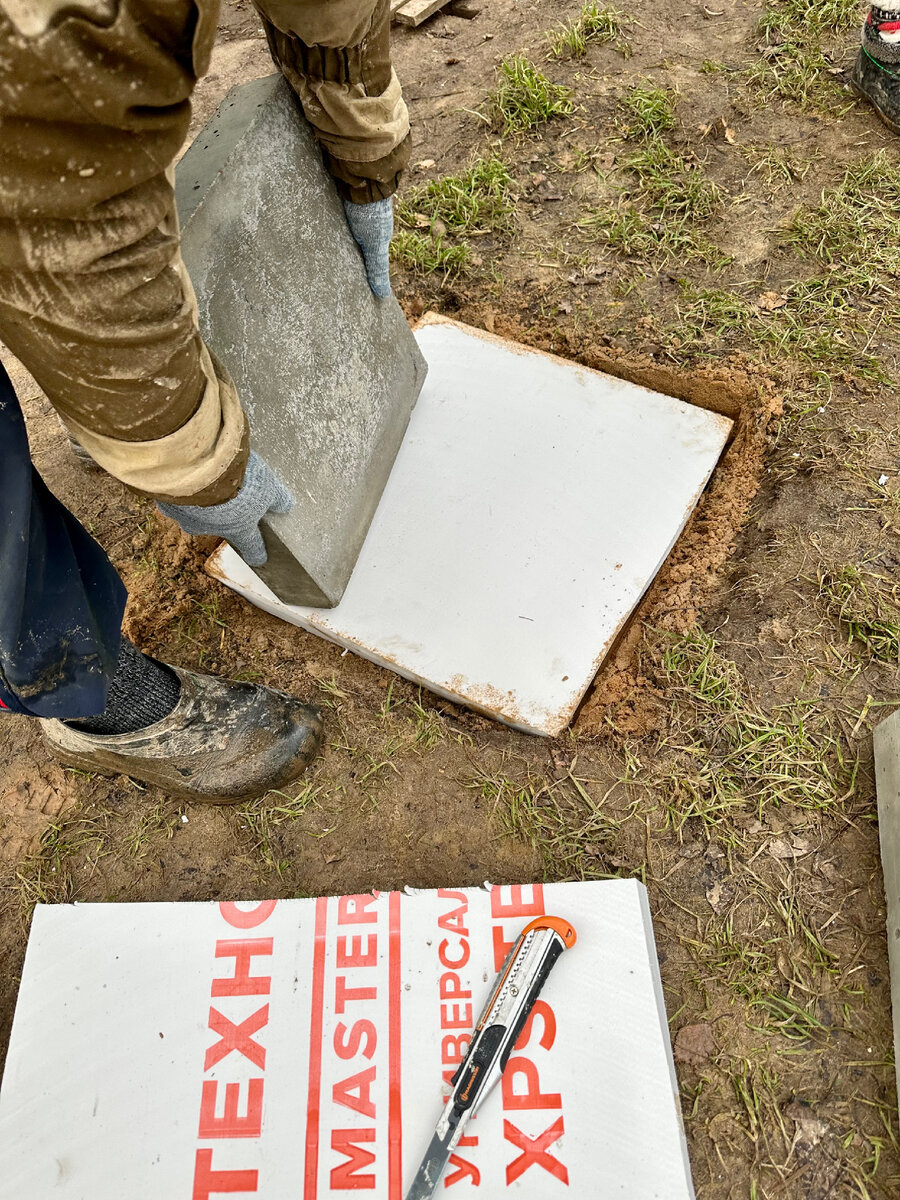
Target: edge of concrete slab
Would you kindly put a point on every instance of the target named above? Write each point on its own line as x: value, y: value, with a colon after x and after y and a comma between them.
x: 886, y: 743
x: 195, y: 174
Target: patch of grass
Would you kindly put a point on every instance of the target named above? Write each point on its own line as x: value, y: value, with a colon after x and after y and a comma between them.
x: 477, y: 201
x: 814, y: 17
x: 708, y: 311
x: 857, y: 222
x: 593, y: 26
x: 425, y: 253
x: 672, y: 184
x: 525, y: 96
x: 793, y: 65
x: 820, y: 321
x: 670, y: 194
x: 562, y: 820
x: 424, y: 726
x: 784, y: 1016
x: 867, y: 607
x: 154, y: 821
x: 733, y: 758
x: 734, y: 960
x: 650, y: 109
x: 263, y: 818
x: 438, y: 217
x: 45, y: 877
x: 778, y: 165
x: 792, y: 71
x: 639, y: 234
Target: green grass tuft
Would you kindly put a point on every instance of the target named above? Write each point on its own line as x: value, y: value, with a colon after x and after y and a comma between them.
x: 673, y: 185
x: 477, y: 201
x: 670, y: 193
x: 525, y: 96
x: 779, y: 165
x: 565, y: 824
x: 793, y: 65
x: 261, y: 820
x: 593, y: 26
x: 856, y: 223
x: 424, y: 253
x: 784, y: 18
x: 437, y: 217
x: 651, y: 110
x: 638, y: 234
x: 820, y: 323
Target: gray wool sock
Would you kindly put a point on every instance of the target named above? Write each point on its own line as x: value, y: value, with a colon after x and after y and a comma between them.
x: 141, y: 692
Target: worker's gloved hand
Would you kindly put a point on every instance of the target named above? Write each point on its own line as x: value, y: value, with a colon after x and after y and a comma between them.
x: 237, y: 520
x: 372, y: 225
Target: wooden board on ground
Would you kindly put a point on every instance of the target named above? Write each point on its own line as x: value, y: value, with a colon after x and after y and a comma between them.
x: 887, y: 777
x: 414, y: 12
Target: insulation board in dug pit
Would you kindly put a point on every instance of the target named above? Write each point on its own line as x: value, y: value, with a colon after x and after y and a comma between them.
x: 297, y: 1049
x: 531, y: 505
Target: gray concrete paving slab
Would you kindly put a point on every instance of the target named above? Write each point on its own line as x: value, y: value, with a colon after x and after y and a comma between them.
x: 327, y: 373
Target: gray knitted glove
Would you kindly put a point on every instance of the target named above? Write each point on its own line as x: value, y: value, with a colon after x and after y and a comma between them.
x: 237, y: 520
x: 372, y: 225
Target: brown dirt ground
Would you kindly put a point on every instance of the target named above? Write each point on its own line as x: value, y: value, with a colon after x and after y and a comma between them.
x: 780, y: 903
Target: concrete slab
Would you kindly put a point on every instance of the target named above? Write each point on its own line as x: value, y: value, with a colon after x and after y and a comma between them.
x: 886, y: 741
x: 531, y: 504
x: 327, y: 373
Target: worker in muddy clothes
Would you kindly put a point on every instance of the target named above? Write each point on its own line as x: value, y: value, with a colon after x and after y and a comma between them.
x: 95, y: 301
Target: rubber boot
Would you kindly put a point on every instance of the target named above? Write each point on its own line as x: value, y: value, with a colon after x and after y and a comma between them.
x: 223, y: 742
x: 879, y: 83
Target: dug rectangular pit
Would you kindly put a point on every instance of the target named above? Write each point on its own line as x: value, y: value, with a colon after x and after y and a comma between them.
x: 531, y: 505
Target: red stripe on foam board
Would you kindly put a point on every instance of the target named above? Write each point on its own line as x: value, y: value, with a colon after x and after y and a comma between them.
x: 395, y: 1125
x: 311, y: 1181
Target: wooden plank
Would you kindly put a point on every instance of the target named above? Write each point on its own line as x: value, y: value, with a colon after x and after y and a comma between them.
x: 414, y: 12
x: 887, y: 779
x: 395, y: 4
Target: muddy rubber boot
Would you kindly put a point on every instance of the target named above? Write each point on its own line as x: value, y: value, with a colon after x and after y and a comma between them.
x: 879, y: 83
x: 223, y: 742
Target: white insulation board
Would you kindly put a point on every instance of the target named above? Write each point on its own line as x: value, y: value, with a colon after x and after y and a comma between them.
x: 531, y: 505
x: 295, y: 1050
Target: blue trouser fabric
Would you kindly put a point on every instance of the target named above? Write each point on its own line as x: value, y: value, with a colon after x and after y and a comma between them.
x: 61, y: 600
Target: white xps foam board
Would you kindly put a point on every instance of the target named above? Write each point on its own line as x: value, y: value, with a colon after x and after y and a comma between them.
x: 531, y: 504
x: 296, y: 1049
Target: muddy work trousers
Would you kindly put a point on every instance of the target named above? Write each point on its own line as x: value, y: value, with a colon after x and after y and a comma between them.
x: 61, y: 601
x: 95, y: 102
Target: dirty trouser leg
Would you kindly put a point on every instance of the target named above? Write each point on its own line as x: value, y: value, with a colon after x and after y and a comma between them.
x: 94, y: 298
x: 61, y: 601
